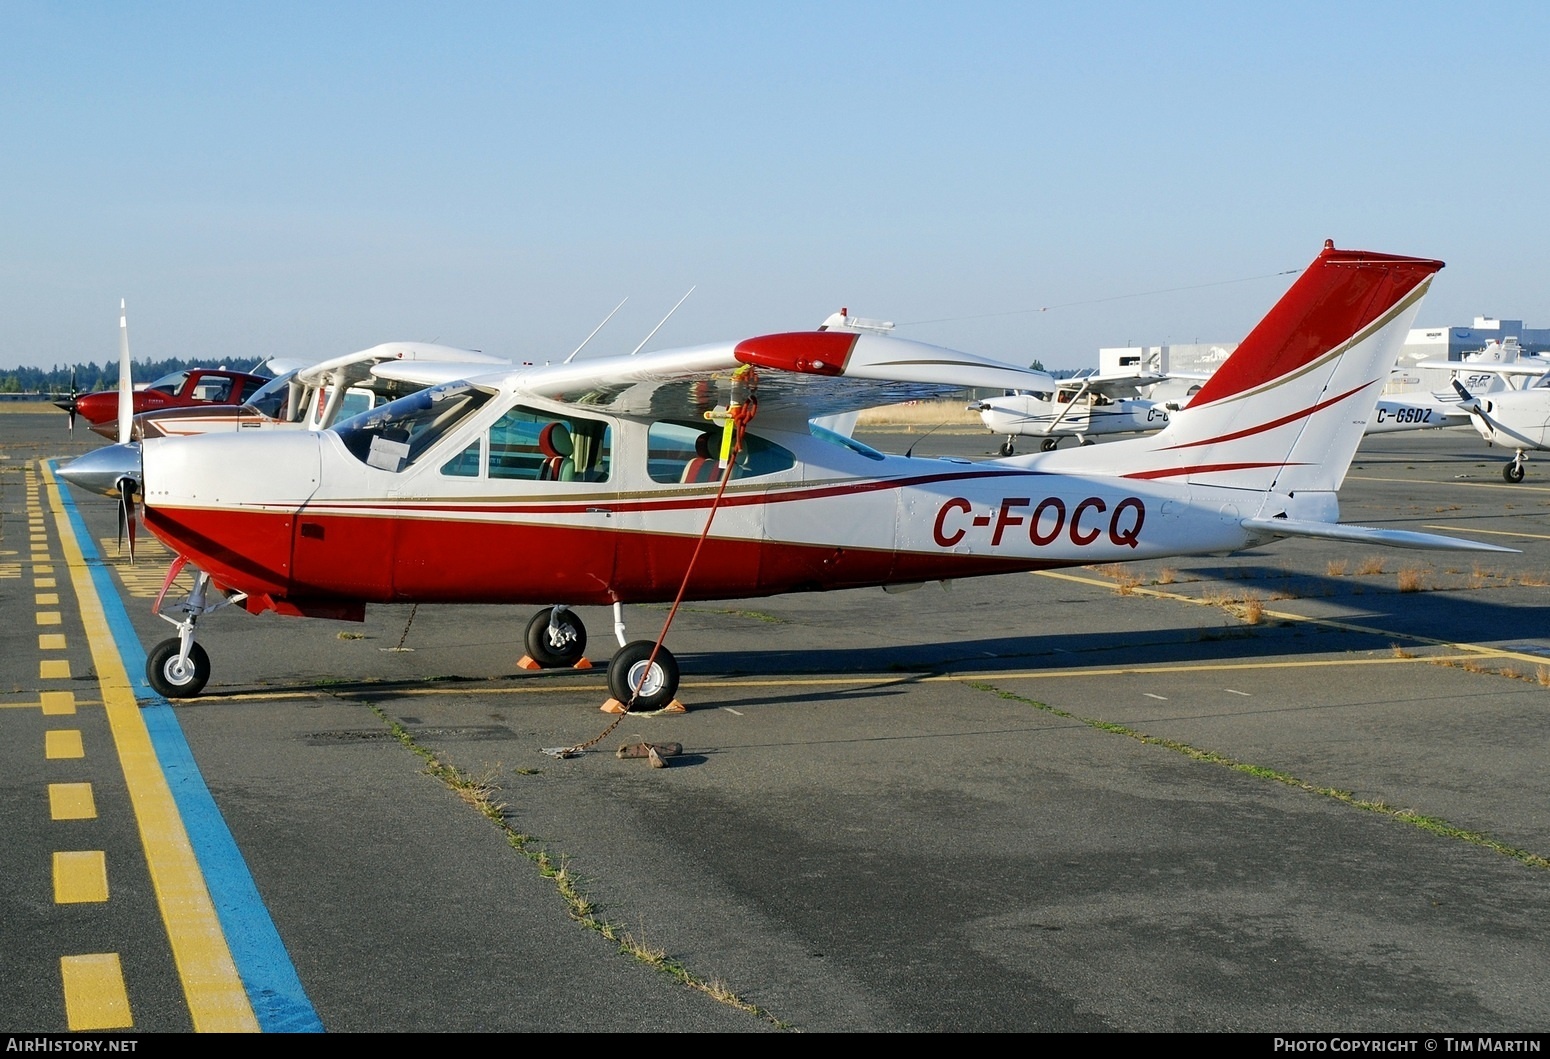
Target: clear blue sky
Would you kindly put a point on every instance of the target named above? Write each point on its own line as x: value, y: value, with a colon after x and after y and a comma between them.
x: 309, y: 179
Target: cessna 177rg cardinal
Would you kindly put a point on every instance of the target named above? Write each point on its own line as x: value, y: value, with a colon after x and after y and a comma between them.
x: 599, y: 482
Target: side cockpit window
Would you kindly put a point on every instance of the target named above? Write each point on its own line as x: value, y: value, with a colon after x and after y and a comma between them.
x: 394, y: 436
x: 530, y: 445
x: 687, y: 453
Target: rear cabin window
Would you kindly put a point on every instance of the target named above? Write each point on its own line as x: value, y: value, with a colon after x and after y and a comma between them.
x: 529, y: 445
x: 688, y: 453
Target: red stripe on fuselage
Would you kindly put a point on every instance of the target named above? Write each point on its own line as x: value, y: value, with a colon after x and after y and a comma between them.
x: 385, y: 559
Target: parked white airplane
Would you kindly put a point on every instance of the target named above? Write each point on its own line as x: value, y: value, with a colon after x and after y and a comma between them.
x: 1517, y: 419
x: 599, y: 482
x: 1078, y: 407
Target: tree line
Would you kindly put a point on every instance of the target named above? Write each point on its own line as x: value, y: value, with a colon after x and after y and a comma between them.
x: 91, y: 376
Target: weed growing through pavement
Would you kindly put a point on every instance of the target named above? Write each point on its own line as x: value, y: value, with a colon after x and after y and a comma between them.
x: 481, y: 792
x: 1370, y: 567
x: 1253, y: 610
x: 1335, y: 568
x: 1167, y: 575
x: 1542, y: 674
x: 1435, y: 825
x: 1411, y: 579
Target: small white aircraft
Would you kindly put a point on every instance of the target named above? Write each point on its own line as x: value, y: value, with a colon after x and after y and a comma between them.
x: 1517, y: 419
x: 1078, y: 407
x: 1500, y: 367
x: 701, y: 474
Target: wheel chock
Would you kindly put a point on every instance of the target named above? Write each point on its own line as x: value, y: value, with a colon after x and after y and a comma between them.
x: 585, y: 663
x: 528, y: 663
x: 615, y: 706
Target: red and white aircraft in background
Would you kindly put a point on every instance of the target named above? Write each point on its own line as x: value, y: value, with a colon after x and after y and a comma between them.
x: 598, y: 482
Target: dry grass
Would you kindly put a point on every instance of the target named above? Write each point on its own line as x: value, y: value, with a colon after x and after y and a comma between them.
x: 1534, y: 581
x: 1370, y: 567
x: 1411, y: 579
x: 1253, y: 610
x: 1125, y: 579
x: 1167, y: 576
x: 1335, y: 568
x: 921, y: 414
x: 1542, y: 674
x: 1401, y: 652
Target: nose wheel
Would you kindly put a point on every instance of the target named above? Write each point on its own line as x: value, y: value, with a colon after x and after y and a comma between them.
x: 173, y: 675
x: 1514, y: 470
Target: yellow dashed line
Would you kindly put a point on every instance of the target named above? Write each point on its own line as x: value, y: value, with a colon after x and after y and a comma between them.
x: 1492, y: 533
x: 49, y: 617
x: 63, y: 743
x: 46, y: 599
x: 54, y: 669
x: 43, y: 582
x: 51, y: 641
x: 80, y: 877
x: 71, y: 801
x: 57, y: 703
x: 95, y: 997
x: 217, y: 1001
x: 1477, y: 650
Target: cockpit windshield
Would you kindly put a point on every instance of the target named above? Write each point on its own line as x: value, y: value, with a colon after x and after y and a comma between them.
x: 272, y: 399
x: 169, y: 383
x: 393, y: 436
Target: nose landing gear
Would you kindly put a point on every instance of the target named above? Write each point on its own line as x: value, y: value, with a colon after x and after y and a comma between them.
x: 178, y: 668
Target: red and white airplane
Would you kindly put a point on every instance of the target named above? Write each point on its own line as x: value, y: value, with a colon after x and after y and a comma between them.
x: 598, y: 482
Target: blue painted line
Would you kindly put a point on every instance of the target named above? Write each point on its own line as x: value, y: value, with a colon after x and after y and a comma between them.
x: 272, y: 985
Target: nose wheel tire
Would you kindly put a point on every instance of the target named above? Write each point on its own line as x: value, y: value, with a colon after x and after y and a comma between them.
x: 172, y: 678
x: 658, y: 682
x: 560, y: 648
x: 1513, y: 472
x: 1007, y: 448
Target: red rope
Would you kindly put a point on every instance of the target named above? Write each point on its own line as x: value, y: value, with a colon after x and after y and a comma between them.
x: 740, y: 417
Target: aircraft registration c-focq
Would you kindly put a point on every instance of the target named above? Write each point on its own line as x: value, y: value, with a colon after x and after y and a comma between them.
x: 710, y: 473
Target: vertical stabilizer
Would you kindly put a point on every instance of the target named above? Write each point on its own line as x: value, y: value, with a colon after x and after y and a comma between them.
x: 1286, y: 411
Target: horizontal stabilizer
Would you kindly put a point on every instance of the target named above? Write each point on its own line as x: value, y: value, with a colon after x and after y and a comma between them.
x: 1285, y: 527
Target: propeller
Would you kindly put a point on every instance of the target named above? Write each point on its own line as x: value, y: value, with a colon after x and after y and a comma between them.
x: 69, y: 406
x: 126, y: 487
x: 126, y: 390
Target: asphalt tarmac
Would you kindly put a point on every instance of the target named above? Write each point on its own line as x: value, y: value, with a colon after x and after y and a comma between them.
x: 1298, y: 789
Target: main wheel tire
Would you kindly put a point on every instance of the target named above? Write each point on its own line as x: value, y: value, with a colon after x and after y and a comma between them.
x: 173, y: 679
x: 541, y: 646
x: 1050, y: 444
x: 1513, y: 472
x: 1007, y: 448
x: 658, y: 684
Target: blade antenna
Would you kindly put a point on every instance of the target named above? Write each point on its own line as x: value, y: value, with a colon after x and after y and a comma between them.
x: 126, y: 394
x: 595, y: 330
x: 665, y: 319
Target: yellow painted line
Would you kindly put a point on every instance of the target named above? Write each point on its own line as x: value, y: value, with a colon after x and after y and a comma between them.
x: 42, y: 569
x: 95, y: 997
x: 71, y: 801
x: 217, y: 1002
x: 1493, y: 533
x: 57, y: 703
x: 61, y: 743
x: 80, y: 877
x: 46, y: 599
x: 1477, y: 650
x: 1464, y: 483
x: 51, y: 641
x: 54, y: 669
x: 49, y: 617
x: 1208, y: 667
x: 44, y: 582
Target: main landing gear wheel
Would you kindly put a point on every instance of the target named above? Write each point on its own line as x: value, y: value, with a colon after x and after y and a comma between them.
x: 558, y: 647
x: 173, y: 678
x: 1513, y: 471
x: 1007, y: 448
x: 1050, y: 444
x: 658, y: 683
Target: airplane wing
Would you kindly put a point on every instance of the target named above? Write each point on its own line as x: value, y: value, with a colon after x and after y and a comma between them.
x: 1285, y: 527
x: 795, y: 376
x: 422, y: 362
x: 1523, y: 366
